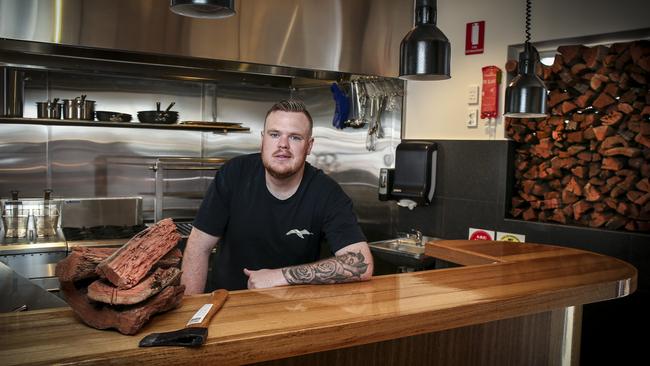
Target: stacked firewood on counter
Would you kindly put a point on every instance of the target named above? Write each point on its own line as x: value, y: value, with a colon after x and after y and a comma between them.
x: 122, y: 288
x: 588, y: 163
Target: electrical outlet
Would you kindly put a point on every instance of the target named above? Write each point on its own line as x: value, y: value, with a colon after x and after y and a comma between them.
x: 472, y: 118
x: 472, y: 94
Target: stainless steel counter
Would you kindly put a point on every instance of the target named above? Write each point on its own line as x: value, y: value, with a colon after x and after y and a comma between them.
x: 18, y: 292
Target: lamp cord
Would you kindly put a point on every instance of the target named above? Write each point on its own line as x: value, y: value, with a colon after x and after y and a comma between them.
x: 527, y: 22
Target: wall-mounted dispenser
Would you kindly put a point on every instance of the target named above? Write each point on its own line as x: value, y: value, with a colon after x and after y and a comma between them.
x: 413, y: 181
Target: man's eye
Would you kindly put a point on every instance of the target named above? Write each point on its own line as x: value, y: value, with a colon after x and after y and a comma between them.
x: 296, y: 138
x: 274, y: 134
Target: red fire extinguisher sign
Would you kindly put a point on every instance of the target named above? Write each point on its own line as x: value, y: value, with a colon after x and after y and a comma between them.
x: 474, y: 37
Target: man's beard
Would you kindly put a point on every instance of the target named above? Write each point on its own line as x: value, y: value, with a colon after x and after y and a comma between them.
x: 285, y: 173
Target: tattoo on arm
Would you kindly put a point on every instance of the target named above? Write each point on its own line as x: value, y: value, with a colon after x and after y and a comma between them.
x: 344, y: 268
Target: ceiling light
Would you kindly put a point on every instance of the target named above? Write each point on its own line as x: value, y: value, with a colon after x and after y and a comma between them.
x: 526, y: 94
x: 425, y: 52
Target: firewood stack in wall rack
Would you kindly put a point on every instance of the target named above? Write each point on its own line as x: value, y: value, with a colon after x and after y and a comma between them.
x: 588, y: 163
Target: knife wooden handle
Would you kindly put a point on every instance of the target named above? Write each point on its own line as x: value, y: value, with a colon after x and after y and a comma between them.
x: 200, y: 320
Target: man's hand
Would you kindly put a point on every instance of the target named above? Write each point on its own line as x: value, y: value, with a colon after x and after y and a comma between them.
x: 264, y: 278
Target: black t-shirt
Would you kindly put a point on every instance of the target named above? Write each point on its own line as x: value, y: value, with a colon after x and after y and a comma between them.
x: 257, y: 230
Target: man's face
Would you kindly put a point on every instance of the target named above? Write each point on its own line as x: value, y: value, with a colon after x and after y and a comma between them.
x: 286, y: 142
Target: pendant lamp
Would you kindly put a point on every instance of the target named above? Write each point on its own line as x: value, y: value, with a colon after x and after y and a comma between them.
x: 212, y: 9
x: 526, y: 94
x: 425, y: 52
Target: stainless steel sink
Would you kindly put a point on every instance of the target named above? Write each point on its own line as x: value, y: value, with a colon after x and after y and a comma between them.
x: 407, y: 251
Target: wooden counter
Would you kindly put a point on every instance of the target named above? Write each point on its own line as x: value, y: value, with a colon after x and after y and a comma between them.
x: 501, y: 280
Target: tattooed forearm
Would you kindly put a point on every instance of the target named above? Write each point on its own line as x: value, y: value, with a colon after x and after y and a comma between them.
x: 343, y: 268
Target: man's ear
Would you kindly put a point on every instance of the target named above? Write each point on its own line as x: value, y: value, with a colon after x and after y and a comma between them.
x: 311, y: 144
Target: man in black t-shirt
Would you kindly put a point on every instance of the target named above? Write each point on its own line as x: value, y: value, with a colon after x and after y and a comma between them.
x: 269, y: 211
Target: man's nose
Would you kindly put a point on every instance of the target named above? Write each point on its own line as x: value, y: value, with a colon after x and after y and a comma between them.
x: 283, y: 141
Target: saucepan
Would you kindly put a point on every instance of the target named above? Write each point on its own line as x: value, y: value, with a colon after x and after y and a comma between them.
x: 159, y: 116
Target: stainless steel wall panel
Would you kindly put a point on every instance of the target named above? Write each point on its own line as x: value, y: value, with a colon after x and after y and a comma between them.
x: 24, y: 160
x: 110, y: 162
x: 356, y: 36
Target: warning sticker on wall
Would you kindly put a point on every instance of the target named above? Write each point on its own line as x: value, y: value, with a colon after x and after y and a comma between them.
x: 480, y: 234
x: 517, y: 238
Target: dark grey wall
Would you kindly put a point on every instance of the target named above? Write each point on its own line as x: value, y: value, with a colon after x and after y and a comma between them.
x: 471, y: 185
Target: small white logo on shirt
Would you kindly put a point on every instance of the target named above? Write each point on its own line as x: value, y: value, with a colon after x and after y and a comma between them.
x: 300, y: 233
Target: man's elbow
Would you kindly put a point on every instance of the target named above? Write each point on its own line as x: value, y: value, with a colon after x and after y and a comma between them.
x: 367, y: 275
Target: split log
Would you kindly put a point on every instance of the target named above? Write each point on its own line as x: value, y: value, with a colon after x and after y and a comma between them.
x: 612, y: 118
x: 558, y: 216
x: 585, y: 99
x: 630, y: 152
x: 568, y: 197
x: 529, y: 214
x: 645, y: 141
x: 601, y: 132
x: 82, y: 262
x: 612, y: 163
x: 570, y: 53
x: 593, y: 56
x: 602, y: 101
x: 613, y: 141
x: 127, y: 320
x: 597, y: 82
x: 643, y: 185
x: 128, y: 265
x: 591, y: 193
x: 556, y: 97
x: 105, y: 292
x: 579, y: 208
x: 612, y: 89
x: 599, y: 219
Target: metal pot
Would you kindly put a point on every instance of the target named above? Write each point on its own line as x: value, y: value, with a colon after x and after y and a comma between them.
x: 79, y: 108
x: 49, y: 110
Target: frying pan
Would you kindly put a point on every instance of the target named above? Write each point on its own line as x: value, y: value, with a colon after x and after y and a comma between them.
x: 159, y: 116
x: 108, y: 116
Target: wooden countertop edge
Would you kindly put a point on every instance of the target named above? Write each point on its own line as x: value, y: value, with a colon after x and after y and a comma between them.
x: 390, y: 307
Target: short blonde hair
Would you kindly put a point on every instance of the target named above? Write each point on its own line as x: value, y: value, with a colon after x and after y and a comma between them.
x: 291, y: 105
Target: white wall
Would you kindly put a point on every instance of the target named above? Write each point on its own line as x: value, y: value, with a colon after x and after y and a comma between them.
x: 437, y: 110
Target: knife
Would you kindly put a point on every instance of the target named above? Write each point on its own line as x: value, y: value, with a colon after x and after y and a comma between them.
x: 195, y: 332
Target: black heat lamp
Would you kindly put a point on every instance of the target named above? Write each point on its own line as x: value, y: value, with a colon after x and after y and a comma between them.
x: 526, y: 94
x: 212, y: 9
x: 425, y: 52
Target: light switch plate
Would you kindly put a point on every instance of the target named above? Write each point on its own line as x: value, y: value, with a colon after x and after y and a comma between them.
x: 472, y: 94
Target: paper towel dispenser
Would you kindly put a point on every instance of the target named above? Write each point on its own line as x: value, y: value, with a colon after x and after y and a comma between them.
x: 414, y: 177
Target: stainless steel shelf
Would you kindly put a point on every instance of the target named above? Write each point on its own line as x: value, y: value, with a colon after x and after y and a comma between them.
x: 215, y: 127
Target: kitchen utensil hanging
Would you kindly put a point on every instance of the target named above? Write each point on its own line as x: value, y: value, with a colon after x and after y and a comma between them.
x: 375, y: 129
x: 357, y: 105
